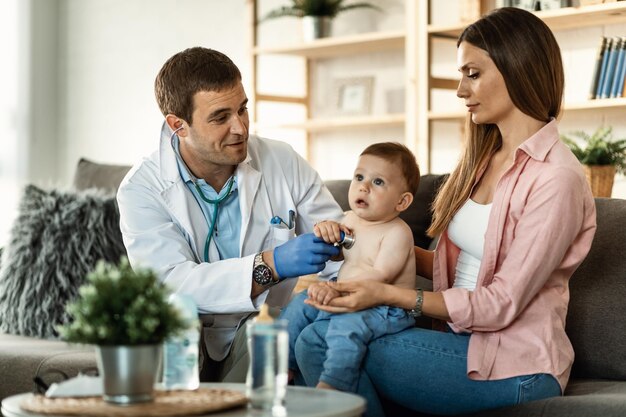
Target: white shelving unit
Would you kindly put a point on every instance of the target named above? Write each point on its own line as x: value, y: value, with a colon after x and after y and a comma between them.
x: 416, y: 42
x: 558, y: 20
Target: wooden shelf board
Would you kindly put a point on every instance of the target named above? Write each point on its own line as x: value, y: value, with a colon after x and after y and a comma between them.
x: 558, y: 19
x: 446, y: 115
x: 281, y: 99
x: 444, y: 83
x: 597, y: 104
x: 346, y: 122
x: 610, y: 103
x: 339, y: 46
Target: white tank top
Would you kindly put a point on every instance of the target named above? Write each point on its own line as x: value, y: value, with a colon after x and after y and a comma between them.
x: 467, y: 231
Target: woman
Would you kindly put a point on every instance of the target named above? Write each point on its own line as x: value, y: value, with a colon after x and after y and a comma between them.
x: 516, y: 218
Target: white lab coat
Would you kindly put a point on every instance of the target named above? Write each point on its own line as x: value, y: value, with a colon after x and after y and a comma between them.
x: 164, y: 228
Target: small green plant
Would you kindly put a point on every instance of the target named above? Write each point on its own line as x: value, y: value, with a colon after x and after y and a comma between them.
x: 328, y: 8
x: 599, y: 148
x: 121, y: 306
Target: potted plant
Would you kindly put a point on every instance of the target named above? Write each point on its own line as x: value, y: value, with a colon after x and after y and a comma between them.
x: 316, y: 14
x: 601, y: 157
x: 125, y: 313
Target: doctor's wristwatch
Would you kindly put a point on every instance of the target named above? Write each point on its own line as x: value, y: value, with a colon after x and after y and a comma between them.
x: 262, y: 273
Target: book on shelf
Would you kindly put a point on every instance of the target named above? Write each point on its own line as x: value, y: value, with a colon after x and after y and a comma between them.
x: 616, y: 45
x: 617, y: 88
x: 598, y: 67
x: 610, y: 65
x: 608, y: 42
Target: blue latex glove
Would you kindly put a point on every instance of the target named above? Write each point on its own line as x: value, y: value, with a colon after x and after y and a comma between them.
x: 303, y: 255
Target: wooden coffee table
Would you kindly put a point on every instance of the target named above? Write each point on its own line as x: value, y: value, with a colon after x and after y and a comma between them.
x: 300, y: 402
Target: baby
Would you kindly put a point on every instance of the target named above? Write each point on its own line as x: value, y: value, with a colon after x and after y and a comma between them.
x: 384, y: 185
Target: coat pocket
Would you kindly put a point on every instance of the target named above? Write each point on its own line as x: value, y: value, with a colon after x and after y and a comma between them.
x: 280, y: 235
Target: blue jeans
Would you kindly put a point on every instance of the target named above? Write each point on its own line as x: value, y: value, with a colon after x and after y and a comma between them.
x: 423, y: 370
x: 346, y: 337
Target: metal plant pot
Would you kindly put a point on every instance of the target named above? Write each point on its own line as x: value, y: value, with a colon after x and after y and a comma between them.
x: 316, y: 27
x: 128, y: 372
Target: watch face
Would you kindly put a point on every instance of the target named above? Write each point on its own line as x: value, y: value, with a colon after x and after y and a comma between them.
x: 262, y: 275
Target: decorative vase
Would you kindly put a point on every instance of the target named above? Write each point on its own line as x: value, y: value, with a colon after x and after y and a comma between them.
x: 128, y: 372
x: 600, y: 178
x: 315, y: 27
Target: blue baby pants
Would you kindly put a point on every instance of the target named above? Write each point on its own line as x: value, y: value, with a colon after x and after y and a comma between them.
x: 347, y: 337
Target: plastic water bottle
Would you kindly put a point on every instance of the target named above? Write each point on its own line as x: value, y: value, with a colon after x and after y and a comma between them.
x: 266, y: 384
x: 180, y: 353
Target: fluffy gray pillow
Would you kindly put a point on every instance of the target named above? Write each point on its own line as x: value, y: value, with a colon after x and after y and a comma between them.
x: 56, y: 240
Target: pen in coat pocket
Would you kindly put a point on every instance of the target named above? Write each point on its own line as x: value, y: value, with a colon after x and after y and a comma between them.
x: 292, y: 218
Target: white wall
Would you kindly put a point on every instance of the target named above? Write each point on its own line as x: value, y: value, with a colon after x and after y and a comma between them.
x: 110, y: 52
x: 9, y: 117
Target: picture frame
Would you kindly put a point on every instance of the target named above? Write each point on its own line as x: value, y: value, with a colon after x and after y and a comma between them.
x: 553, y: 4
x: 353, y: 95
x: 529, y: 5
x: 534, y: 5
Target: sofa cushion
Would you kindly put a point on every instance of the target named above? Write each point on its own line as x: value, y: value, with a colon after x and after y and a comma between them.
x: 418, y: 216
x: 56, y: 239
x: 597, y: 308
x: 91, y: 174
x: 23, y: 358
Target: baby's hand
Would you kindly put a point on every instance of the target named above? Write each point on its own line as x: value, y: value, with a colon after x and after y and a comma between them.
x: 322, y: 293
x: 330, y: 231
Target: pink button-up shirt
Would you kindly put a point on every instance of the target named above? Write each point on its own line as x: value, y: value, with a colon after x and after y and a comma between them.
x: 540, y: 229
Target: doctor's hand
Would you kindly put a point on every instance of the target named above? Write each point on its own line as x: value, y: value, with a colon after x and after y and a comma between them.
x: 303, y: 255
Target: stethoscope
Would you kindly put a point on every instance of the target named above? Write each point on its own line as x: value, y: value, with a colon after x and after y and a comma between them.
x: 216, y: 202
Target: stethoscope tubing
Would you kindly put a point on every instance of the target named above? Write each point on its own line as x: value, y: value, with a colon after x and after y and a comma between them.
x: 216, y: 202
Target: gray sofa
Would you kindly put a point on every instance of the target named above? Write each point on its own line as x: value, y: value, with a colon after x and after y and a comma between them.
x: 596, y: 320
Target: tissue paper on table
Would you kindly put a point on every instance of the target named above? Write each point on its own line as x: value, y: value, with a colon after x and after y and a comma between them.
x: 80, y: 386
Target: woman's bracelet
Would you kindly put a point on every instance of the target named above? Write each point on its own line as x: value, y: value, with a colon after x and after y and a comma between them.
x: 419, y: 300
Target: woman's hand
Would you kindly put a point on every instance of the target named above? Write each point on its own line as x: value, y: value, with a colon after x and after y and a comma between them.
x: 355, y: 296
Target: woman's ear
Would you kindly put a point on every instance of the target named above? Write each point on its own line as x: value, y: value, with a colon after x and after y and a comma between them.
x: 405, y: 201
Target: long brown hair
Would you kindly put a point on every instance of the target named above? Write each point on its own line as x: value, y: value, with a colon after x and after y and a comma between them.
x: 527, y: 55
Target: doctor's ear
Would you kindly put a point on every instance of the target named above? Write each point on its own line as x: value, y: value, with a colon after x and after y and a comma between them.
x: 176, y: 124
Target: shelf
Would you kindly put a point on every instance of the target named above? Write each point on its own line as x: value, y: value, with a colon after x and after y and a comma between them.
x: 446, y: 115
x: 610, y: 103
x: 341, y: 46
x: 346, y: 122
x: 558, y: 19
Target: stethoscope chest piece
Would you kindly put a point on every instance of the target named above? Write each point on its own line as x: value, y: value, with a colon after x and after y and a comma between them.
x: 347, y: 241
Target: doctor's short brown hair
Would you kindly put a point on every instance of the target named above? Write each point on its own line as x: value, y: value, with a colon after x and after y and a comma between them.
x: 397, y: 153
x: 188, y: 72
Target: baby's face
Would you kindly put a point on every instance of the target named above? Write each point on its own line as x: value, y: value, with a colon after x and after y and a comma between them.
x: 376, y: 189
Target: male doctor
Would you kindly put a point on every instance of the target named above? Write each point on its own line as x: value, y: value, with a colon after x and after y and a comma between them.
x: 220, y: 215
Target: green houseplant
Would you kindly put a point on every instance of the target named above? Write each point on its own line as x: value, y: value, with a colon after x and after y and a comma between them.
x: 125, y: 313
x: 316, y: 14
x: 601, y: 156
